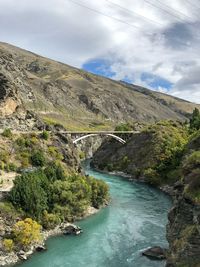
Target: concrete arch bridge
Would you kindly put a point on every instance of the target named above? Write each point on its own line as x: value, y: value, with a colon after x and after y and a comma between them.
x: 78, y: 138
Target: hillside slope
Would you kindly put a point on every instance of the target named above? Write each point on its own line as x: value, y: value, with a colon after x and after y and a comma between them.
x: 79, y: 100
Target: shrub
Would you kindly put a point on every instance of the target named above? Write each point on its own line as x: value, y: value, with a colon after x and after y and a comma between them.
x: 45, y: 135
x: 21, y: 142
x: 123, y: 127
x: 195, y: 120
x: 26, y: 232
x: 2, y: 165
x: 50, y: 220
x: 11, y: 167
x: 192, y: 162
x: 4, y: 156
x: 81, y: 155
x: 54, y: 152
x: 7, y: 210
x: 99, y: 192
x: 38, y: 159
x: 55, y: 172
x: 8, y: 245
x: 7, y: 133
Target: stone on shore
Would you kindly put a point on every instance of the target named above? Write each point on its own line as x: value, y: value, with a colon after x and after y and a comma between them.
x: 72, y: 229
x: 155, y: 253
x: 41, y: 248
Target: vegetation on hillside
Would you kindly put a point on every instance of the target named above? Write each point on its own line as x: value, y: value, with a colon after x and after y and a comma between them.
x: 161, y: 154
x: 195, y: 120
x: 40, y: 194
x: 47, y: 189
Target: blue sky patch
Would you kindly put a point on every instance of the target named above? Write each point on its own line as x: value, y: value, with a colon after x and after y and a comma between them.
x: 102, y: 67
x: 99, y: 67
x: 156, y: 81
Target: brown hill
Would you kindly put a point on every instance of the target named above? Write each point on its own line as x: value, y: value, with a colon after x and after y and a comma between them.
x: 77, y: 99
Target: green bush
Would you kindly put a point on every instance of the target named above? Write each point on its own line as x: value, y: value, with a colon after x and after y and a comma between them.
x: 45, y: 135
x: 99, y: 192
x: 38, y: 158
x: 50, y: 220
x: 55, y: 154
x: 191, y: 162
x: 11, y: 167
x: 195, y: 120
x: 4, y: 157
x: 55, y: 172
x: 7, y: 133
x: 81, y: 155
x: 123, y: 127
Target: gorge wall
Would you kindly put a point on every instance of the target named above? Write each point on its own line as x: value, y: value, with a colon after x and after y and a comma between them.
x: 147, y: 157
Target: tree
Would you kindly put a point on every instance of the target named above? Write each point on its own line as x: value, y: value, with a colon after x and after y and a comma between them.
x: 26, y: 232
x: 29, y: 193
x: 195, y: 120
x: 99, y: 192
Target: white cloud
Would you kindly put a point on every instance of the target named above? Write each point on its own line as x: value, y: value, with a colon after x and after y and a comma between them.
x: 160, y: 44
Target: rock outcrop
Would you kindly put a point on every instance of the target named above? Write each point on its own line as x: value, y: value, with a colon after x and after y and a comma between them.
x: 183, y: 233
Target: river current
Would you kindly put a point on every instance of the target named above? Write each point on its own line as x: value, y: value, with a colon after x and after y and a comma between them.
x: 135, y: 219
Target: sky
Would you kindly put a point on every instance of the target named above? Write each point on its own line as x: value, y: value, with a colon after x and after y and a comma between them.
x: 152, y: 43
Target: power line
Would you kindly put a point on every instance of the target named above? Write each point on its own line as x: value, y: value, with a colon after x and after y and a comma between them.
x: 193, y: 4
x: 195, y: 7
x: 133, y: 12
x: 106, y: 15
x: 164, y: 10
x: 173, y: 10
x: 114, y: 18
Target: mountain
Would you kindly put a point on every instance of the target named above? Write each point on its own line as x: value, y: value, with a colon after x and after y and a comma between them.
x: 78, y: 100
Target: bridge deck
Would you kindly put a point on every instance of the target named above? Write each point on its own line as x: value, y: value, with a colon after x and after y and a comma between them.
x: 77, y: 132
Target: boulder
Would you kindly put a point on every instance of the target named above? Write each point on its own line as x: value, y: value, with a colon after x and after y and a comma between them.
x: 41, y: 248
x: 72, y: 229
x: 155, y: 253
x: 22, y: 255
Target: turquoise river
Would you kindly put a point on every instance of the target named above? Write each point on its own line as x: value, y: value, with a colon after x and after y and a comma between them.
x: 135, y: 219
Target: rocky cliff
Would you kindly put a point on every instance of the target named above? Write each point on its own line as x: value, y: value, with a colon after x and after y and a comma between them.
x: 165, y: 156
x: 183, y: 230
x: 62, y: 94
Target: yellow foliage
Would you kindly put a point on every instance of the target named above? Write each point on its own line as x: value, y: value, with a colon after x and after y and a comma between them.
x: 8, y: 245
x: 27, y: 232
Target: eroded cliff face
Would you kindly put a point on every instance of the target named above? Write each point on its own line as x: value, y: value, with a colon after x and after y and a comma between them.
x: 183, y: 229
x: 183, y: 233
x: 9, y: 100
x: 87, y: 147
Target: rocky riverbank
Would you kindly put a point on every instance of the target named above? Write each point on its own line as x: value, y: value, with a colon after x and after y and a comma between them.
x: 10, y: 259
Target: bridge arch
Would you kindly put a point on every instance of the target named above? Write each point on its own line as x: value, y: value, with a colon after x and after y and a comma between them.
x: 119, y: 139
